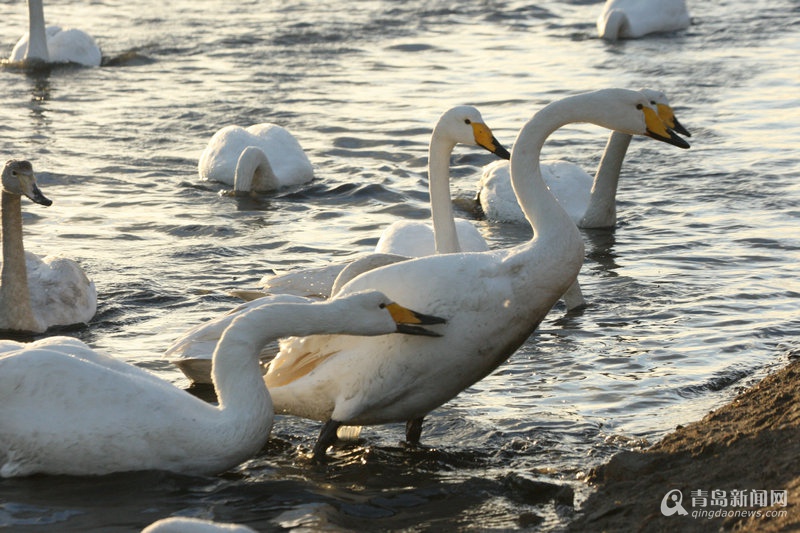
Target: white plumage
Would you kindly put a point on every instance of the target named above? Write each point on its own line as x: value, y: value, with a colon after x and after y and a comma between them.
x: 260, y: 158
x: 631, y: 19
x: 66, y: 409
x: 51, y: 44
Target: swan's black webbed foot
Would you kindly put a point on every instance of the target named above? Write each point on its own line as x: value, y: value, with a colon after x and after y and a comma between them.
x: 414, y: 431
x: 327, y: 437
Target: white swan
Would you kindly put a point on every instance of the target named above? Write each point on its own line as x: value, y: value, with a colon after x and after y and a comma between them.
x: 457, y: 125
x: 65, y: 409
x: 36, y: 294
x: 590, y: 202
x: 260, y: 158
x: 631, y: 19
x: 493, y: 300
x: 52, y: 44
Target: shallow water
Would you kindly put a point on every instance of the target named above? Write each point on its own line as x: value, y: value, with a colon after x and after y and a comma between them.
x: 693, y: 296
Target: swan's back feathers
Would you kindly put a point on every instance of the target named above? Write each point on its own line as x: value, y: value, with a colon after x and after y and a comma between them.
x: 411, y: 238
x: 631, y: 19
x: 60, y: 292
x: 568, y: 182
x: 58, y: 402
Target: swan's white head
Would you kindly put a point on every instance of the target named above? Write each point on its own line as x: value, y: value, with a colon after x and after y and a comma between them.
x: 19, y: 179
x: 628, y: 112
x: 464, y: 125
x: 662, y: 105
x: 373, y: 313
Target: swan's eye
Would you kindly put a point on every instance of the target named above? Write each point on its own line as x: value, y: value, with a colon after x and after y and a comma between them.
x: 467, y: 121
x: 639, y: 106
x: 383, y: 306
x: 653, y: 102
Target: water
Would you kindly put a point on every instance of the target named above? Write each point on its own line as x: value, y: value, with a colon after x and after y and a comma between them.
x: 692, y: 297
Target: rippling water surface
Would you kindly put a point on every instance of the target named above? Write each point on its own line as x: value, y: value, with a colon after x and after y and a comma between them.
x: 693, y: 296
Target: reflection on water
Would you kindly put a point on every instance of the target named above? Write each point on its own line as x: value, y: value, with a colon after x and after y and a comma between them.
x: 692, y: 296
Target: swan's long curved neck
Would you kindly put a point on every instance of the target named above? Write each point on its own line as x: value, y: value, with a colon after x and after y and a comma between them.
x: 538, y: 204
x: 602, y: 209
x: 14, y: 296
x: 444, y: 225
x: 253, y: 171
x: 37, y: 36
x: 236, y: 368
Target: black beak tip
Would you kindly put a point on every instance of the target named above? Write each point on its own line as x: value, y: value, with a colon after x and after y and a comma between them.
x: 41, y: 200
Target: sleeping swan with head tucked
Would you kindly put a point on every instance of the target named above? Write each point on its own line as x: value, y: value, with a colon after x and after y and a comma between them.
x: 261, y: 158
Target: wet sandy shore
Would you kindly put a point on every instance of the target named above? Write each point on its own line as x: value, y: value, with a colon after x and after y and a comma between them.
x: 731, y: 468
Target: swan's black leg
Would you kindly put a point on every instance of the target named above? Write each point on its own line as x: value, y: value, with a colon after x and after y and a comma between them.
x: 327, y: 436
x: 414, y: 430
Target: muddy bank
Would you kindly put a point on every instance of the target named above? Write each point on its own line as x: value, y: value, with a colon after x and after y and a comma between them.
x: 736, y: 469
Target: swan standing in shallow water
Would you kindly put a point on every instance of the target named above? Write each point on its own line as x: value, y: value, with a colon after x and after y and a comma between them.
x: 36, y: 294
x: 260, y: 158
x: 590, y: 202
x: 51, y: 44
x: 493, y: 300
x: 66, y: 409
x: 631, y: 19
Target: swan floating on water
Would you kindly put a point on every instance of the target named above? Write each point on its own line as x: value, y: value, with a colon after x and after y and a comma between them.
x: 260, y: 158
x: 36, y: 294
x: 590, y: 202
x: 51, y: 44
x: 493, y: 300
x: 403, y: 239
x: 66, y: 409
x: 631, y: 19
x: 458, y: 125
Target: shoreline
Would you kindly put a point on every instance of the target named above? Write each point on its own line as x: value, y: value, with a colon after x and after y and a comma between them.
x: 736, y: 469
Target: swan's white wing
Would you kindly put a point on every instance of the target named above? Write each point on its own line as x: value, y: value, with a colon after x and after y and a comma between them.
x: 287, y: 158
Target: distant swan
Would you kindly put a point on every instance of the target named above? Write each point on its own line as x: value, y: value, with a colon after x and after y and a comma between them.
x: 631, y: 19
x: 457, y: 125
x: 36, y: 294
x: 66, y: 409
x: 493, y: 300
x: 261, y: 158
x: 52, y: 44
